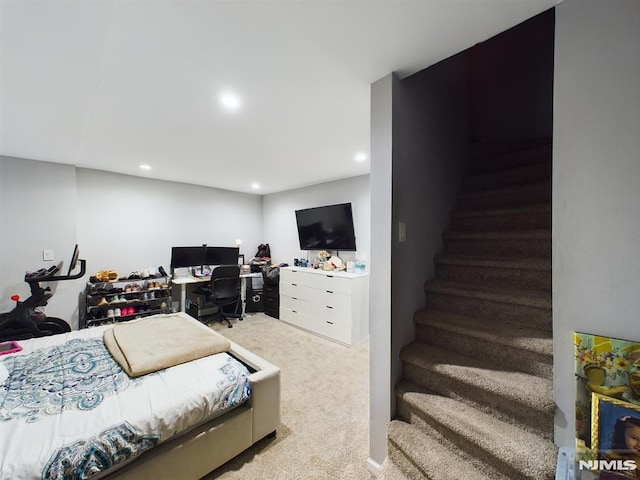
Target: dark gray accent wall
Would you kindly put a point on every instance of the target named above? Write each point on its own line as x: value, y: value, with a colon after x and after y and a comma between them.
x: 429, y: 159
x: 511, y: 82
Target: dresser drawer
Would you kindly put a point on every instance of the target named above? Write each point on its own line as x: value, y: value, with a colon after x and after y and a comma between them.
x: 337, y: 332
x: 296, y: 304
x: 294, y: 317
x: 325, y: 313
x: 332, y: 299
x: 297, y: 291
x: 330, y: 283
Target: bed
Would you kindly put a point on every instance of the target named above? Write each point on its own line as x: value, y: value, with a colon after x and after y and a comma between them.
x: 68, y: 410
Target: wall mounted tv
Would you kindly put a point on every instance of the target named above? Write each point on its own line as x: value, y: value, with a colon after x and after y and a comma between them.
x: 326, y: 228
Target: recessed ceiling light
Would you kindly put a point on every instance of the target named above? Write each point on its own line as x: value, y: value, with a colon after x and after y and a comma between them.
x: 255, y: 185
x: 360, y: 157
x: 230, y: 100
x: 144, y: 166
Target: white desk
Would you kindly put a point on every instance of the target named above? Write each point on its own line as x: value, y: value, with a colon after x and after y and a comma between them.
x: 189, y: 280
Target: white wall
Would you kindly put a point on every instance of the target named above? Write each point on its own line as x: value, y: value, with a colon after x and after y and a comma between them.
x: 127, y: 223
x: 380, y: 386
x: 279, y: 221
x: 596, y: 198
x: 120, y: 222
x: 37, y: 212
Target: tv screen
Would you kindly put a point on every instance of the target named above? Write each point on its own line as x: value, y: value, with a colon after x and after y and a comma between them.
x: 326, y: 228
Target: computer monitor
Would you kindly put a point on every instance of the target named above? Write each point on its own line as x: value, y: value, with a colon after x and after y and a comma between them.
x: 74, y: 259
x: 222, y: 256
x: 187, y: 257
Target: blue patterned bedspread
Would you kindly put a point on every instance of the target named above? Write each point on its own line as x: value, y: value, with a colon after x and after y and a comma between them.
x: 68, y: 411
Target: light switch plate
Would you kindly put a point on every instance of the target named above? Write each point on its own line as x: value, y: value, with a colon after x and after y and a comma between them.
x: 47, y: 255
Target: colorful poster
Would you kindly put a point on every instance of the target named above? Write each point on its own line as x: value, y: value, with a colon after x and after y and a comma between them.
x: 604, y: 366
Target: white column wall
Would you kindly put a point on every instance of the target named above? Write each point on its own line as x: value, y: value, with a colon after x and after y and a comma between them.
x: 596, y: 174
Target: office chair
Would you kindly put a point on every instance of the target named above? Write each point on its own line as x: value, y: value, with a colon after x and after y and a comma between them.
x: 224, y: 291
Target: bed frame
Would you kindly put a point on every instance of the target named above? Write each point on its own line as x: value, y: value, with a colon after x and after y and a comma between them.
x: 195, y: 453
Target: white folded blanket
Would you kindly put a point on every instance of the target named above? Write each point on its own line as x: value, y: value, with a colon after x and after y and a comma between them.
x: 161, y: 341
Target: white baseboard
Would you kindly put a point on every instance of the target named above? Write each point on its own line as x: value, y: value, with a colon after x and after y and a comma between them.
x: 373, y: 466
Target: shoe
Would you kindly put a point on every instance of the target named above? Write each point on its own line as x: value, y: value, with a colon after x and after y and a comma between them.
x: 117, y: 312
x: 162, y: 271
x: 110, y: 313
x: 102, y: 302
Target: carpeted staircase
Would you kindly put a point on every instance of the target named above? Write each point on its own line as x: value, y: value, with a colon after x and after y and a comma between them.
x: 476, y: 400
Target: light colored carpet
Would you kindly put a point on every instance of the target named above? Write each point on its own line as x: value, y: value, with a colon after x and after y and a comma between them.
x: 325, y: 406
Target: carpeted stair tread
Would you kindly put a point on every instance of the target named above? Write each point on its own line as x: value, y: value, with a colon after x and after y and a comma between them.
x: 520, y: 210
x: 495, y: 150
x: 517, y: 272
x: 537, y: 234
x: 510, y: 175
x: 534, y: 263
x: 498, y: 333
x: 390, y: 471
x: 429, y: 457
x: 531, y: 391
x: 531, y: 298
x: 498, y: 160
x: 528, y: 454
x: 527, y: 194
x: 522, y: 217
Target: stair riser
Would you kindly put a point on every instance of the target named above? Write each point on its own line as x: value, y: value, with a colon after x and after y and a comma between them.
x: 492, y: 467
x: 520, y: 176
x: 512, y: 160
x: 500, y: 200
x: 514, y: 314
x: 406, y: 466
x: 517, y: 278
x: 538, y: 248
x: 488, y: 223
x: 507, y: 410
x: 528, y: 362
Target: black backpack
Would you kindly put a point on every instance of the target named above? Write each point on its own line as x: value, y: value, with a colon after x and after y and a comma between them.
x: 264, y: 252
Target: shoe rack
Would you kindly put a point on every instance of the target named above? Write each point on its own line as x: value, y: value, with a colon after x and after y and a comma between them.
x: 122, y: 300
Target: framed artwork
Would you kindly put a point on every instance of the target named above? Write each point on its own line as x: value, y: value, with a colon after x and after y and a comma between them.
x: 607, y: 367
x: 615, y: 437
x: 608, y: 416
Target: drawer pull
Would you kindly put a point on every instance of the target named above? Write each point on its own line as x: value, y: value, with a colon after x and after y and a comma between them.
x: 330, y: 323
x: 294, y: 298
x: 329, y: 276
x: 294, y: 311
x: 329, y: 306
x: 294, y: 284
x: 329, y: 291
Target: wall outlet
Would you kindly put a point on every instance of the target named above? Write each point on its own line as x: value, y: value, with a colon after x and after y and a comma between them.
x: 47, y: 255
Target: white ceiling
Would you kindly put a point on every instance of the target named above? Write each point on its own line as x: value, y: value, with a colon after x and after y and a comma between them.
x: 113, y: 84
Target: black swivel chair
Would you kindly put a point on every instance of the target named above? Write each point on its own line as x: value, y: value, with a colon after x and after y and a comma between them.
x: 224, y: 292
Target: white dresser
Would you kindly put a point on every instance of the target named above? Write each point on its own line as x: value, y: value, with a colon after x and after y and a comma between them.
x: 332, y: 304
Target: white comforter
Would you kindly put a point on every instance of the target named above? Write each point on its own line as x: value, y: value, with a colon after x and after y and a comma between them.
x: 67, y: 410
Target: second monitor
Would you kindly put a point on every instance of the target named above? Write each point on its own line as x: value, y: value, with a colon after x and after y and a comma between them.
x: 221, y: 256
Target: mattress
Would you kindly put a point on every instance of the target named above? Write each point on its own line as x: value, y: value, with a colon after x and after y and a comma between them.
x: 67, y: 410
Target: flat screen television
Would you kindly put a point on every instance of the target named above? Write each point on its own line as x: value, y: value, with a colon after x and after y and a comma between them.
x: 326, y: 228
